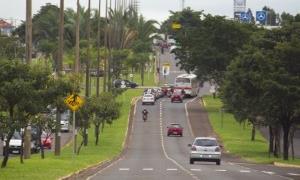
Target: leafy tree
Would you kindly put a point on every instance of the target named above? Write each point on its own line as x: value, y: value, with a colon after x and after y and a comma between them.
x: 207, y: 44
x: 105, y: 110
x: 265, y: 78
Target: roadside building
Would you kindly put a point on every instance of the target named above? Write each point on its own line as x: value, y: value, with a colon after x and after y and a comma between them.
x: 6, y: 28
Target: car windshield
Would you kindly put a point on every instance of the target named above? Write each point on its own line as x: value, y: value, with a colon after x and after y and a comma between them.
x: 16, y: 136
x: 175, y: 126
x: 205, y: 142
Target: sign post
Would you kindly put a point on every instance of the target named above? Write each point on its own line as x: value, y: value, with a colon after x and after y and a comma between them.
x: 74, y: 102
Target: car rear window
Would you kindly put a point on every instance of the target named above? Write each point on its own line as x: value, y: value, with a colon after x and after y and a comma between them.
x: 175, y: 125
x: 206, y: 142
x: 148, y: 95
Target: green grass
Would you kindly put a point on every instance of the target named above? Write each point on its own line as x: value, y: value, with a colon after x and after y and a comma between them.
x: 236, y: 137
x: 54, y: 167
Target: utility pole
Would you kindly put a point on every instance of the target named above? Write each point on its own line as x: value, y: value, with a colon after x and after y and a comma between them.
x: 27, y: 131
x: 98, y: 50
x: 28, y: 31
x: 77, y: 48
x: 87, y: 74
x: 106, y: 47
x: 59, y: 72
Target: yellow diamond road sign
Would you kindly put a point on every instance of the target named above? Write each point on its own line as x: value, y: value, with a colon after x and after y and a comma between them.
x: 176, y: 25
x: 74, y: 102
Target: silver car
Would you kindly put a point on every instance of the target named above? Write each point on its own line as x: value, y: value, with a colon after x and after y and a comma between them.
x: 148, y: 99
x: 205, y: 149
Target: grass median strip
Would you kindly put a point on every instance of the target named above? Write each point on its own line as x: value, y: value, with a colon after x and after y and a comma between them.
x: 53, y: 167
x: 236, y: 137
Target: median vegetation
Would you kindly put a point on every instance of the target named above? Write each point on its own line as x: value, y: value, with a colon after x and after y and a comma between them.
x: 53, y: 167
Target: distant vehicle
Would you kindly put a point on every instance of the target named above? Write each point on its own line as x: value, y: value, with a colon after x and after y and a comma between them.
x: 46, y: 140
x: 175, y: 129
x: 64, y: 119
x: 94, y: 73
x: 166, y: 89
x: 148, y: 99
x: 189, y: 83
x: 15, y: 144
x: 177, y: 96
x: 205, y: 149
x: 118, y: 83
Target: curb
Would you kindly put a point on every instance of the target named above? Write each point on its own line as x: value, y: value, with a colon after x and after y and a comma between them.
x: 285, y: 165
x: 85, y: 172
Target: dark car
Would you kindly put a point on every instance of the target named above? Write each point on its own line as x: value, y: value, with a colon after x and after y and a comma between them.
x: 119, y: 83
x: 175, y: 129
x: 94, y: 73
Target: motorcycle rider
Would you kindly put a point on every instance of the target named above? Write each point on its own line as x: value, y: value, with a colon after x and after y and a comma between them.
x: 145, y: 113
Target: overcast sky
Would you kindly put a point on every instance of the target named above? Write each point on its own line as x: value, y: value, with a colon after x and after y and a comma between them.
x: 156, y: 9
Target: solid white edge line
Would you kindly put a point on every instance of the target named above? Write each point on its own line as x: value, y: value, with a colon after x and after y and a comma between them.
x: 187, y: 116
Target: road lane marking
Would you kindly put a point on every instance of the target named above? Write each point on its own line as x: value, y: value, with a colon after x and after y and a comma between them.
x: 245, y: 171
x: 293, y: 174
x: 268, y: 172
x: 243, y: 165
x: 221, y: 170
x: 188, y: 118
x: 172, y: 169
x: 147, y: 169
x: 123, y: 169
x: 196, y: 170
x: 172, y: 160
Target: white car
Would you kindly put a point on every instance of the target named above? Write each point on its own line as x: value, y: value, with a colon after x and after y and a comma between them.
x: 205, y: 149
x: 148, y: 99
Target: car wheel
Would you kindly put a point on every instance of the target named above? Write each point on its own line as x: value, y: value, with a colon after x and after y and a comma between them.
x: 153, y: 103
x: 143, y: 103
x: 218, y: 162
x: 180, y: 135
x: 191, y: 161
x: 168, y: 134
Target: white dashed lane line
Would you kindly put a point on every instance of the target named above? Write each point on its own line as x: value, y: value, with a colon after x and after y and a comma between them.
x: 124, y: 169
x: 196, y: 170
x: 221, y: 170
x: 293, y: 174
x: 245, y: 171
x: 172, y: 169
x: 147, y: 169
x: 268, y: 172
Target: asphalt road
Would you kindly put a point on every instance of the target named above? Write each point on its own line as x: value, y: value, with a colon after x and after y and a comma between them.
x: 153, y: 155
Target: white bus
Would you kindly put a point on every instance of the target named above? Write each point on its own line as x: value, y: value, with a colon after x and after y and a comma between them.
x: 189, y: 83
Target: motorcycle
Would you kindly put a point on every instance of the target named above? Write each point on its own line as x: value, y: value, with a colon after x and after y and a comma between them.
x: 144, y: 117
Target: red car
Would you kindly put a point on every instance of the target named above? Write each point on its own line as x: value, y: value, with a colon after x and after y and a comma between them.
x: 46, y: 141
x: 175, y: 129
x: 177, y: 96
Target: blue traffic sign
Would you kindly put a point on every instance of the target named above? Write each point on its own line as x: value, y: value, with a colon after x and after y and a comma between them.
x: 261, y: 16
x: 245, y: 17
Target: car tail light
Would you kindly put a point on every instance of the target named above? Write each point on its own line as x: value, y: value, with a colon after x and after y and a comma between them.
x: 217, y: 149
x: 194, y: 148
